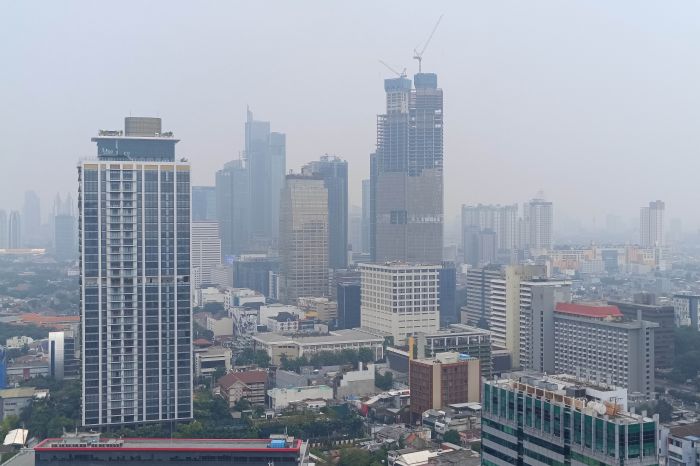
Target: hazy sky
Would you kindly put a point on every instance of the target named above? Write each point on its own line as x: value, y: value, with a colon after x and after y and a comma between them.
x: 597, y: 103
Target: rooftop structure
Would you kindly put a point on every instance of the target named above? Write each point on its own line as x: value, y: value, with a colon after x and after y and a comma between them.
x: 536, y: 419
x: 296, y: 346
x: 90, y: 450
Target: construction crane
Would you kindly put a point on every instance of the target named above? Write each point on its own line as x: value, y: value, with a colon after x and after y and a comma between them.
x: 419, y: 55
x: 400, y: 75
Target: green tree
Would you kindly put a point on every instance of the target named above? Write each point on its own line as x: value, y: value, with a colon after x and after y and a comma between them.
x: 365, y: 355
x: 452, y: 436
x: 384, y: 382
x: 354, y: 457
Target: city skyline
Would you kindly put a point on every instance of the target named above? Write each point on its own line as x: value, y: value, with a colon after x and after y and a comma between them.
x: 548, y: 124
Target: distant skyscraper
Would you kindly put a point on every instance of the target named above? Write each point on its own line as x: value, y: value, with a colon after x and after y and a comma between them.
x: 400, y: 299
x: 266, y: 157
x: 502, y: 220
x: 651, y: 225
x: 334, y: 172
x: 366, y: 219
x: 134, y: 205
x: 303, y: 238
x: 538, y: 220
x: 31, y: 218
x: 15, y: 230
x: 233, y: 207
x: 406, y: 173
x: 206, y: 252
x: 4, y: 230
x: 65, y: 237
x: 203, y: 203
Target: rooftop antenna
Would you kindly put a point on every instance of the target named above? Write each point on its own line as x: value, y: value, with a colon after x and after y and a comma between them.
x: 402, y: 74
x: 419, y: 55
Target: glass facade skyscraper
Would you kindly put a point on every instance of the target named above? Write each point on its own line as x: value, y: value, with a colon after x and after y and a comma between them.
x: 406, y: 173
x: 265, y: 153
x: 334, y: 172
x: 134, y: 224
x: 233, y: 207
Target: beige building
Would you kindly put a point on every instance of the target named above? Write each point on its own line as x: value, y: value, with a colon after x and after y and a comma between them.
x: 322, y: 309
x: 295, y: 346
x: 249, y: 385
x: 504, y: 319
x: 400, y: 299
x: 303, y: 238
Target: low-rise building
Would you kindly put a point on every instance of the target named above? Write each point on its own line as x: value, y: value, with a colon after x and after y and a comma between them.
x: 14, y: 400
x: 240, y: 297
x: 355, y: 384
x: 91, y: 450
x: 444, y: 379
x: 281, y: 398
x: 209, y: 360
x: 680, y: 445
x: 322, y: 309
x: 27, y: 367
x: 18, y: 342
x: 276, y: 344
x: 221, y: 326
x: 248, y: 385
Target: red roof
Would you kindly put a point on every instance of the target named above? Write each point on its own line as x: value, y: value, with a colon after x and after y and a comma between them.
x: 588, y: 310
x: 202, y: 342
x: 247, y: 377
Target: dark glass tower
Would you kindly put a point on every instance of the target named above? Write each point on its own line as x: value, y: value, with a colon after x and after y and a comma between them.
x: 406, y: 173
x: 134, y: 226
x: 334, y: 172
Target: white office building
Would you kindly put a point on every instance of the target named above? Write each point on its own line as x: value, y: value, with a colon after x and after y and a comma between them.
x: 206, y: 252
x: 400, y: 299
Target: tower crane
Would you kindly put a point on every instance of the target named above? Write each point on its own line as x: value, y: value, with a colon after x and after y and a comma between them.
x: 419, y: 55
x: 402, y: 74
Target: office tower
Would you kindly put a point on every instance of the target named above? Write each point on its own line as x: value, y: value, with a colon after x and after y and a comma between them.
x: 348, y: 295
x: 303, y: 238
x: 203, y: 203
x: 441, y: 380
x: 501, y: 220
x: 366, y: 216
x: 544, y: 419
x: 253, y: 271
x: 265, y: 153
x: 538, y: 219
x: 687, y: 310
x: 233, y: 207
x: 406, y: 173
x: 354, y: 231
x: 662, y: 314
x: 504, y: 319
x: 400, y: 299
x: 62, y: 360
x: 206, y: 252
x: 477, y: 310
x: 448, y: 293
x: 334, y: 172
x: 538, y: 298
x: 14, y: 235
x: 65, y: 237
x: 4, y: 230
x: 134, y: 226
x: 595, y: 342
x: 31, y: 220
x: 651, y: 225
